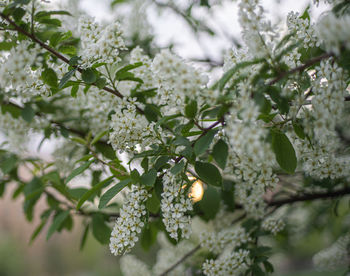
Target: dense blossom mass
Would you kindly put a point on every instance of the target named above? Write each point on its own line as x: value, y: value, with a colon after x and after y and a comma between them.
x: 144, y: 125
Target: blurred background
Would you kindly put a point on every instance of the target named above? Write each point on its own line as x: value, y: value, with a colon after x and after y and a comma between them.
x: 61, y: 255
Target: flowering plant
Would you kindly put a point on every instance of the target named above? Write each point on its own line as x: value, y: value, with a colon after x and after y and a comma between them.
x: 149, y: 130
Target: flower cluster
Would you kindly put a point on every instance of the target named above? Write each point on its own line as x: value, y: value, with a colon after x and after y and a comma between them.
x: 334, y: 257
x: 15, y: 70
x: 231, y: 237
x: 320, y: 159
x: 273, y: 225
x: 175, y: 81
x: 303, y: 30
x: 130, y: 129
x: 174, y: 205
x: 234, y: 263
x: 99, y: 44
x: 131, y: 266
x: 144, y: 72
x: 257, y: 31
x: 251, y: 160
x: 129, y: 223
x: 334, y: 31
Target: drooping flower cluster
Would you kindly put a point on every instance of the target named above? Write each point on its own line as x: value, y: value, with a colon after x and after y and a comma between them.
x: 273, y: 225
x: 334, y: 31
x: 302, y: 29
x: 334, y: 257
x: 99, y: 44
x: 131, y: 266
x: 251, y: 159
x: 16, y: 74
x: 174, y: 205
x: 233, y: 263
x: 130, y: 221
x: 175, y: 81
x: 130, y: 129
x: 320, y: 159
x: 144, y: 72
x: 256, y: 30
x: 231, y: 237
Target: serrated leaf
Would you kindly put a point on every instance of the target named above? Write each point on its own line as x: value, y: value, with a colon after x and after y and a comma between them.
x: 220, y: 153
x: 208, y: 173
x: 57, y: 222
x: 204, y: 142
x: 108, y: 195
x: 284, y: 151
x: 78, y: 170
x: 94, y: 190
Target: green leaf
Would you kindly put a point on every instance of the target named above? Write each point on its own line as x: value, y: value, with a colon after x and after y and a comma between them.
x: 9, y: 164
x: 18, y: 14
x: 66, y: 78
x: 79, y: 170
x: 177, y: 168
x: 89, y: 76
x: 128, y: 68
x: 84, y: 237
x: 57, y: 222
x: 99, y: 229
x: 37, y: 231
x: 108, y: 195
x: 94, y: 190
x: 149, y: 236
x: 284, y: 151
x: 153, y: 203
x: 101, y: 83
x: 49, y: 77
x: 229, y: 74
x: 204, y: 142
x: 210, y: 203
x: 99, y: 136
x: 74, y: 90
x: 28, y: 113
x: 208, y: 173
x: 191, y: 109
x: 6, y: 46
x: 299, y: 130
x: 220, y: 153
x: 149, y: 178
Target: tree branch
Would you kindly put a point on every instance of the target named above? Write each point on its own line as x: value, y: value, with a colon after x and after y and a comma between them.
x: 300, y: 68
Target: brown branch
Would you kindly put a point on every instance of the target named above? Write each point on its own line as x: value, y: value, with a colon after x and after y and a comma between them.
x: 308, y: 197
x: 189, y: 254
x: 300, y: 68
